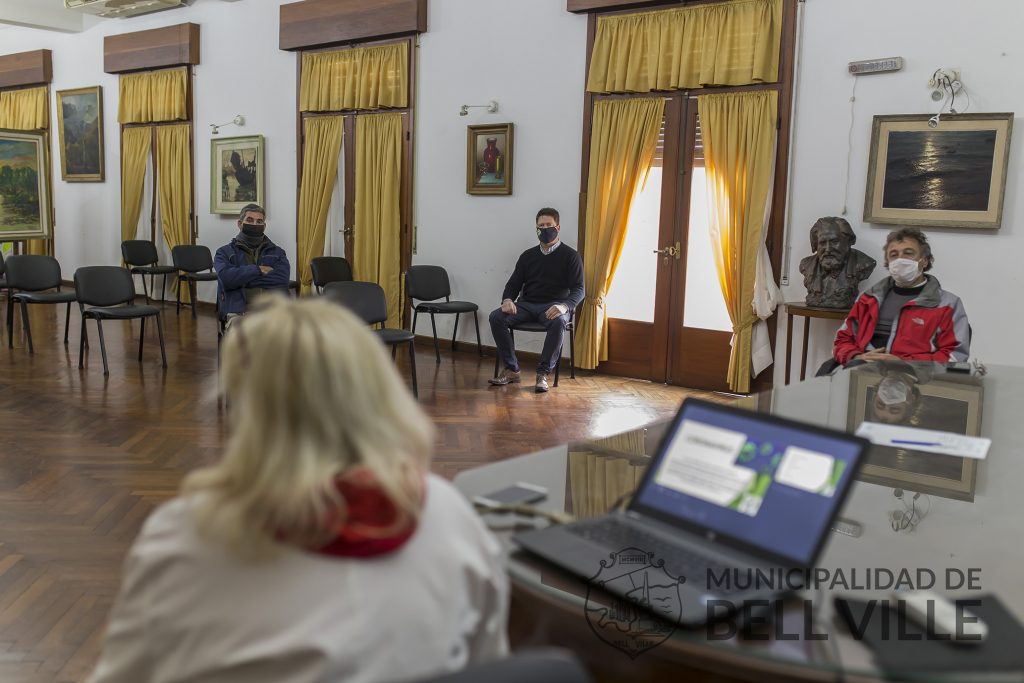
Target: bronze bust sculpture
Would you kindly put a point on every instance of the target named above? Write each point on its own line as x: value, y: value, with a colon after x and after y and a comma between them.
x: 834, y: 271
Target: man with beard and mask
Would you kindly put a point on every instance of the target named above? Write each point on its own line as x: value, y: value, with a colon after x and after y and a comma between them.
x: 832, y: 274
x: 249, y: 265
x: 907, y: 315
x: 545, y: 286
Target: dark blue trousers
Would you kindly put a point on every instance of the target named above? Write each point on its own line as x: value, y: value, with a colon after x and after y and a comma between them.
x: 528, y: 312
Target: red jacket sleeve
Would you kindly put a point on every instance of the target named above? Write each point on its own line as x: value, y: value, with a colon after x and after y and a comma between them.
x: 846, y: 346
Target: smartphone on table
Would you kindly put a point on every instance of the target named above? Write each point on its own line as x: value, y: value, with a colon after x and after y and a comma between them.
x: 519, y: 493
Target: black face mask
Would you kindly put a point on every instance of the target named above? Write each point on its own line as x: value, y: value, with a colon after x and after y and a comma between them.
x: 547, y: 235
x: 250, y: 230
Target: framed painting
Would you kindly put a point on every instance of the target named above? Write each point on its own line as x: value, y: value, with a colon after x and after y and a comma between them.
x: 24, y: 186
x: 80, y: 127
x: 898, y: 397
x: 489, y: 159
x: 236, y: 173
x: 941, y: 171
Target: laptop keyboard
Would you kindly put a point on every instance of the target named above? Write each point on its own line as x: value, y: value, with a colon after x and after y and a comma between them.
x: 690, y: 564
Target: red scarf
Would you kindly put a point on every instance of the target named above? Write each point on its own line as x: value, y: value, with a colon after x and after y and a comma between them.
x: 372, y: 525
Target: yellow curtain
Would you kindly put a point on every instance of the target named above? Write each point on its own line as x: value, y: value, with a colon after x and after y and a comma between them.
x: 360, y: 78
x: 378, y: 202
x: 153, y: 96
x: 739, y: 134
x: 623, y: 139
x: 725, y: 43
x: 25, y: 109
x: 174, y: 176
x: 135, y: 146
x: 28, y: 109
x: 319, y: 170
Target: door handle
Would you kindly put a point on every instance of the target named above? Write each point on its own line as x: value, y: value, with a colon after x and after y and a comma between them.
x: 670, y: 250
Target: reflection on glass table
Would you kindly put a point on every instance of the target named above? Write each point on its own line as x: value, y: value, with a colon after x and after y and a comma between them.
x: 957, y: 526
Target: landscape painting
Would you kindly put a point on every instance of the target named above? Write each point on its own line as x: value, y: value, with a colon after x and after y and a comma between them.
x: 945, y: 171
x: 24, y: 193
x: 80, y: 125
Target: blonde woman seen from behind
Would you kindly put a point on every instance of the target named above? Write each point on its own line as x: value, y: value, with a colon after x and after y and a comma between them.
x: 319, y: 549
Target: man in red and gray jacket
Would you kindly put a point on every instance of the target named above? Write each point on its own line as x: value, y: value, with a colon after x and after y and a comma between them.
x: 908, y: 315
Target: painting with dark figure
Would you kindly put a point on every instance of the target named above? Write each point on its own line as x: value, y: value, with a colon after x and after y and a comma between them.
x: 940, y: 171
x: 80, y: 126
x: 909, y: 394
x: 236, y: 173
x: 833, y: 273
x: 24, y: 193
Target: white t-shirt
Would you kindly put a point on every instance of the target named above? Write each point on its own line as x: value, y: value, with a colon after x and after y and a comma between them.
x: 189, y: 610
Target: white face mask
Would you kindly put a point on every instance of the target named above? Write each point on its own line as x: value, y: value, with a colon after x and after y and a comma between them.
x: 904, y: 271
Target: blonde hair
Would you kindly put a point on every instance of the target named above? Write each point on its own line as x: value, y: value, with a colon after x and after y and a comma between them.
x: 311, y: 393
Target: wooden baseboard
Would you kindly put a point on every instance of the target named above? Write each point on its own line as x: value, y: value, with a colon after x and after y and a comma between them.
x: 527, y: 359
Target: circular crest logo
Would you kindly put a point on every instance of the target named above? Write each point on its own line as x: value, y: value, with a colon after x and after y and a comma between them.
x: 630, y: 623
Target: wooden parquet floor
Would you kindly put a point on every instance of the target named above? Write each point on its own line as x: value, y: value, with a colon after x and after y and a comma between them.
x: 85, y: 458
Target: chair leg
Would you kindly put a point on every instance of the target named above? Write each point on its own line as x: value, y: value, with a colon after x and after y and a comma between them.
x: 455, y: 332
x: 10, y: 322
x: 572, y: 353
x: 163, y: 288
x: 67, y: 323
x: 103, y: 346
x: 394, y: 352
x: 192, y: 294
x: 160, y: 335
x: 177, y: 302
x: 558, y: 366
x: 81, y: 342
x: 145, y: 292
x: 479, y: 346
x: 412, y: 366
x: 142, y: 335
x: 415, y: 314
x: 433, y: 327
x: 26, y: 325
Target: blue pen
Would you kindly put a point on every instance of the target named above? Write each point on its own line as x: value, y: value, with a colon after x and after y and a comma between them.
x: 915, y: 443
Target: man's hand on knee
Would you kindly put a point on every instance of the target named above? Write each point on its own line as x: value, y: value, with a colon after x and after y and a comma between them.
x: 556, y: 310
x: 509, y: 307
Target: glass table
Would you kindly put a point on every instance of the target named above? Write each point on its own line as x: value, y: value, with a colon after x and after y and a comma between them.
x: 956, y: 519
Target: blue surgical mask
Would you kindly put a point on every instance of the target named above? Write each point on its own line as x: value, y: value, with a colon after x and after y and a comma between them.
x: 547, y: 235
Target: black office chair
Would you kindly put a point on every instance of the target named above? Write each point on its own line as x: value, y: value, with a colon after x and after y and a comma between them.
x: 103, y: 289
x: 192, y: 261
x: 28, y: 276
x: 141, y: 258
x: 428, y: 284
x: 368, y: 302
x: 540, y: 666
x: 330, y: 269
x: 570, y: 330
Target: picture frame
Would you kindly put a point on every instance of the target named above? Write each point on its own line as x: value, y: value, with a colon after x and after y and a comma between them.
x: 237, y: 173
x: 489, y: 156
x: 946, y: 171
x: 80, y: 132
x: 25, y: 199
x: 937, y: 404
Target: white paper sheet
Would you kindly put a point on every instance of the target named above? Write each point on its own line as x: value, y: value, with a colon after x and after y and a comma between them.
x: 928, y: 440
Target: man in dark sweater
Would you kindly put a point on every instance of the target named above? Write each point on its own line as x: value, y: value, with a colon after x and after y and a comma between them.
x: 546, y: 285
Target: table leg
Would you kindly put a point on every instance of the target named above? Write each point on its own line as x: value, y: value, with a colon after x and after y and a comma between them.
x: 803, y: 353
x: 789, y: 342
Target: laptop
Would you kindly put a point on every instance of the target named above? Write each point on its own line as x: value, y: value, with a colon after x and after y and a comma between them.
x: 731, y: 503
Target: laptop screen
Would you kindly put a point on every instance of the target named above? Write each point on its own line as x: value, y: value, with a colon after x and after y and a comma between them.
x: 766, y: 482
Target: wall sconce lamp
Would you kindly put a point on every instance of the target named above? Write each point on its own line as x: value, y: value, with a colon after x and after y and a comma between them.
x: 491, y: 107
x: 237, y: 121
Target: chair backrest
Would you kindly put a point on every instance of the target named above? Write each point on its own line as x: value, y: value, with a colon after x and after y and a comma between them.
x: 540, y: 666
x: 32, y: 273
x: 330, y: 269
x: 427, y: 283
x: 365, y: 299
x: 192, y: 258
x: 139, y: 252
x: 103, y: 286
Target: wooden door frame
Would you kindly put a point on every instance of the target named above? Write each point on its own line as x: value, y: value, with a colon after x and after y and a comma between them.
x: 784, y: 86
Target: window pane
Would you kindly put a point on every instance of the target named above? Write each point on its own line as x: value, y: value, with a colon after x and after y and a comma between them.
x: 704, y: 306
x: 632, y: 291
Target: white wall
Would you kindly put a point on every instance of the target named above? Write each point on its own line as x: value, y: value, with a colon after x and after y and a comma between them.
x: 527, y: 54
x: 530, y: 56
x: 242, y: 72
x: 982, y: 267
